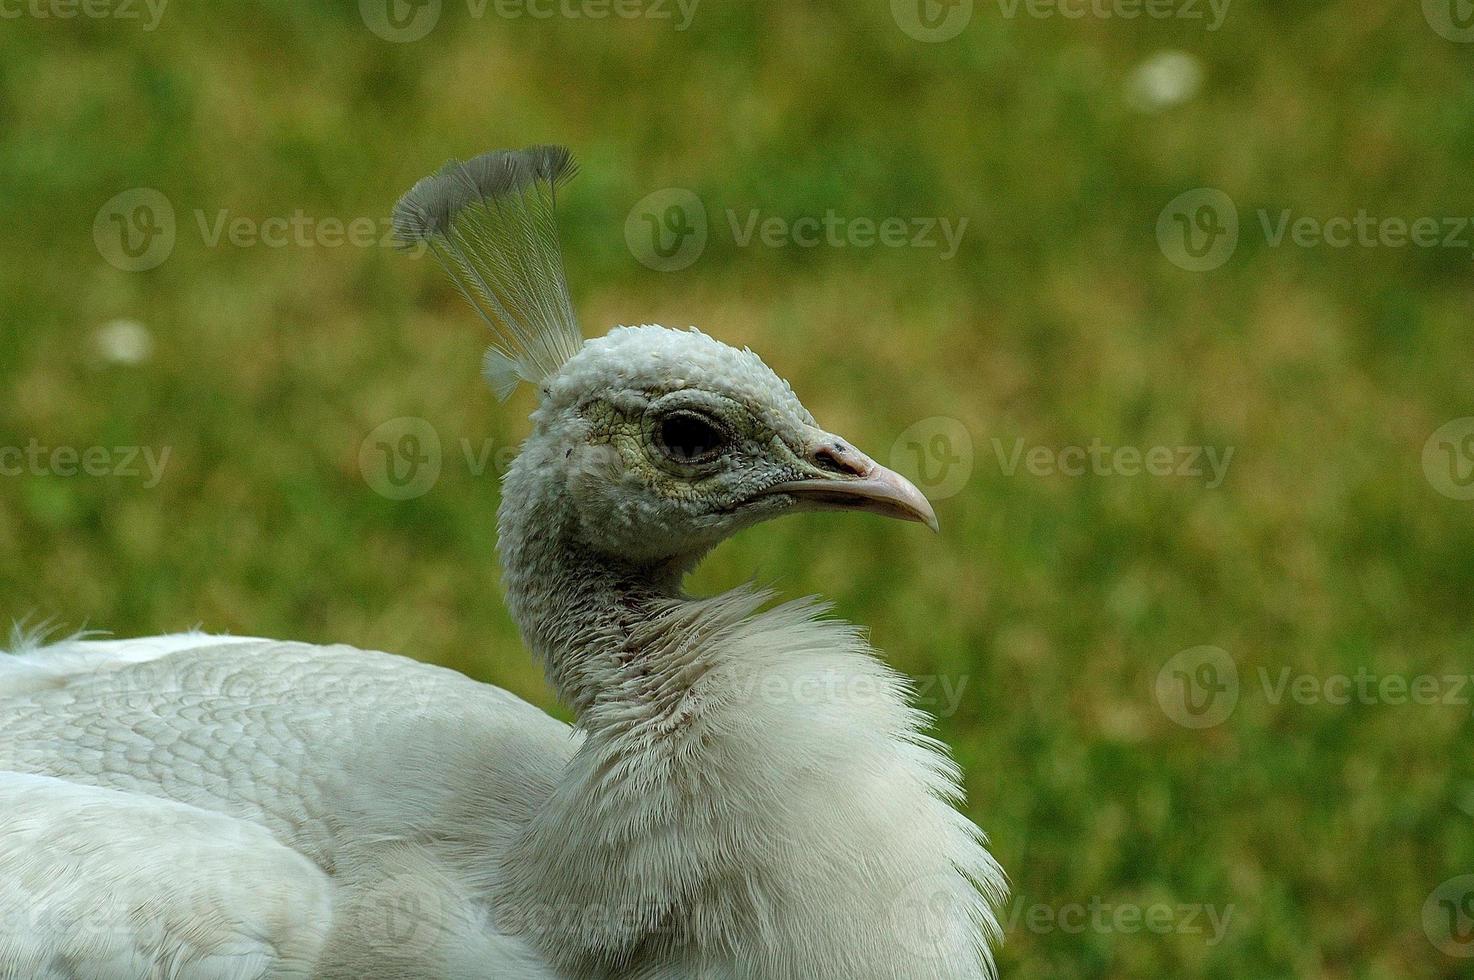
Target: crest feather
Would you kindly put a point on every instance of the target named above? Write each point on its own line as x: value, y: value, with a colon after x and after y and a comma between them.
x: 491, y: 222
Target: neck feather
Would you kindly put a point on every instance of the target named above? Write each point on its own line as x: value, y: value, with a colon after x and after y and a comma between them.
x: 578, y: 610
x: 753, y: 794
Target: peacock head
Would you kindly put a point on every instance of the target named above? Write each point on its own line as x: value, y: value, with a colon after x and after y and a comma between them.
x: 663, y: 441
x: 669, y: 441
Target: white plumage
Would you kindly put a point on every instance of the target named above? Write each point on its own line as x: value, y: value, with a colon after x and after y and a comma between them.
x: 746, y: 795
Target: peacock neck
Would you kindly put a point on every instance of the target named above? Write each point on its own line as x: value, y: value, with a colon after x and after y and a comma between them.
x: 584, y: 615
x: 623, y: 647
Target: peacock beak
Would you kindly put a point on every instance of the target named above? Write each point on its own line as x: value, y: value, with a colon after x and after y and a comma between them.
x: 846, y: 479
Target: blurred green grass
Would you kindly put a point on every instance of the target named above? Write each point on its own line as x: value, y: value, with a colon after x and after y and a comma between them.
x: 1055, y: 600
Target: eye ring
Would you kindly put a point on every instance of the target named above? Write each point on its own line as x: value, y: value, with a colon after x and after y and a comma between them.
x: 687, y: 437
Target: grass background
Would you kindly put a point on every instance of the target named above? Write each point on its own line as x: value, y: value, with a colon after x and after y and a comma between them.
x: 1055, y: 600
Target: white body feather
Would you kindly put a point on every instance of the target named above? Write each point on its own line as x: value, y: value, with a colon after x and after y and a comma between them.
x: 282, y: 810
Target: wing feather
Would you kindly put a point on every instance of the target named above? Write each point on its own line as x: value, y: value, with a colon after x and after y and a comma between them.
x: 102, y: 884
x: 27, y: 668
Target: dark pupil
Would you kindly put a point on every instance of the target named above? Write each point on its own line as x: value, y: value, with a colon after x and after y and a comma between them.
x: 688, y: 436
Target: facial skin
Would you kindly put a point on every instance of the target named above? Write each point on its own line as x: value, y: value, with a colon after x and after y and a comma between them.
x: 671, y: 441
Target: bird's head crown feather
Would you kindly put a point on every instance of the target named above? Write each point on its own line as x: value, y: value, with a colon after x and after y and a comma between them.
x: 491, y: 222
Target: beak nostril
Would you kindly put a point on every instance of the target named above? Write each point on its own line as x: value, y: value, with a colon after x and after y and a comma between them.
x: 841, y: 459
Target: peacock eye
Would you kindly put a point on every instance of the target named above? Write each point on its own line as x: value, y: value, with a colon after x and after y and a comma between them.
x: 688, y: 437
